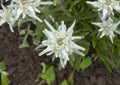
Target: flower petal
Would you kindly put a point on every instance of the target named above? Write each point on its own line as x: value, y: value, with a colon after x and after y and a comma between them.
x: 11, y: 28
x: 19, y: 12
x: 49, y: 34
x: 63, y: 28
x: 65, y: 55
x: 46, y: 3
x: 105, y: 13
x: 31, y: 10
x: 117, y: 7
x: 94, y: 4
x: 97, y: 24
x: 77, y: 46
x: 72, y: 26
x: 76, y: 37
x: 48, y: 49
x: 2, y: 21
x: 79, y: 52
x: 103, y: 34
x: 49, y: 25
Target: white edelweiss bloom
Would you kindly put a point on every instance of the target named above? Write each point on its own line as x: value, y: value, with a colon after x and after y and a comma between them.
x: 108, y: 28
x: 7, y: 15
x: 29, y: 8
x: 60, y: 42
x: 106, y: 6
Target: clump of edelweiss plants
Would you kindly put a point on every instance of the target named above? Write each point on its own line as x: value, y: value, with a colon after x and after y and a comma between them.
x: 12, y: 13
x: 79, y: 43
x: 105, y: 10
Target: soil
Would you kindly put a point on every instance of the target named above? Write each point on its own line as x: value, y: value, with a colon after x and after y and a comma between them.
x: 23, y: 65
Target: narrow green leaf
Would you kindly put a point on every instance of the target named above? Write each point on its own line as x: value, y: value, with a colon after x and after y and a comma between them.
x: 44, y: 67
x: 71, y: 79
x: 25, y: 42
x: 94, y: 41
x: 2, y: 66
x: 5, y: 80
x: 38, y: 33
x: 76, y: 62
x: 102, y: 56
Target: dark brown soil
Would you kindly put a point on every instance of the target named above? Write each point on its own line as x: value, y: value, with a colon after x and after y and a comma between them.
x: 23, y: 65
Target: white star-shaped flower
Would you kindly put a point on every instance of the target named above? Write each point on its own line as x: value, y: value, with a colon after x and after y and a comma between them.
x: 108, y: 28
x: 60, y: 42
x: 7, y: 15
x: 106, y: 6
x: 29, y: 8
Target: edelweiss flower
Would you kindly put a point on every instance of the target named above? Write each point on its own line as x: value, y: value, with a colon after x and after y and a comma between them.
x: 29, y: 8
x: 106, y: 6
x: 60, y: 43
x: 7, y: 15
x: 108, y: 28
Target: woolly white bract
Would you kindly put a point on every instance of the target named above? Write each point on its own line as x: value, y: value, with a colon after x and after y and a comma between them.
x: 60, y: 43
x: 106, y: 6
x: 29, y: 8
x: 108, y: 27
x: 7, y: 15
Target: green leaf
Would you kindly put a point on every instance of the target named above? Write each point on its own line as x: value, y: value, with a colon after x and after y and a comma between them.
x: 2, y: 66
x: 108, y: 67
x: 51, y: 73
x: 22, y: 32
x: 48, y: 75
x: 25, y: 42
x: 66, y: 12
x: 118, y: 49
x: 44, y: 76
x: 76, y: 62
x: 118, y: 46
x: 102, y: 56
x: 94, y: 41
x: 48, y: 81
x: 5, y: 80
x: 64, y: 82
x: 24, y: 45
x: 71, y: 79
x: 38, y: 33
x: 30, y: 32
x: 85, y: 63
x: 44, y: 67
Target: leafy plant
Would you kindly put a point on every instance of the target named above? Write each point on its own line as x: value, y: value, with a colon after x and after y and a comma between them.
x: 85, y: 63
x: 98, y: 42
x: 4, y: 74
x: 79, y: 10
x: 69, y: 81
x: 47, y: 75
x: 64, y: 82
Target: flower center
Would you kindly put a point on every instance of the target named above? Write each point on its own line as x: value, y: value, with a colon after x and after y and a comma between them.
x: 108, y: 2
x: 60, y: 41
x: 24, y: 2
x: 106, y: 29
